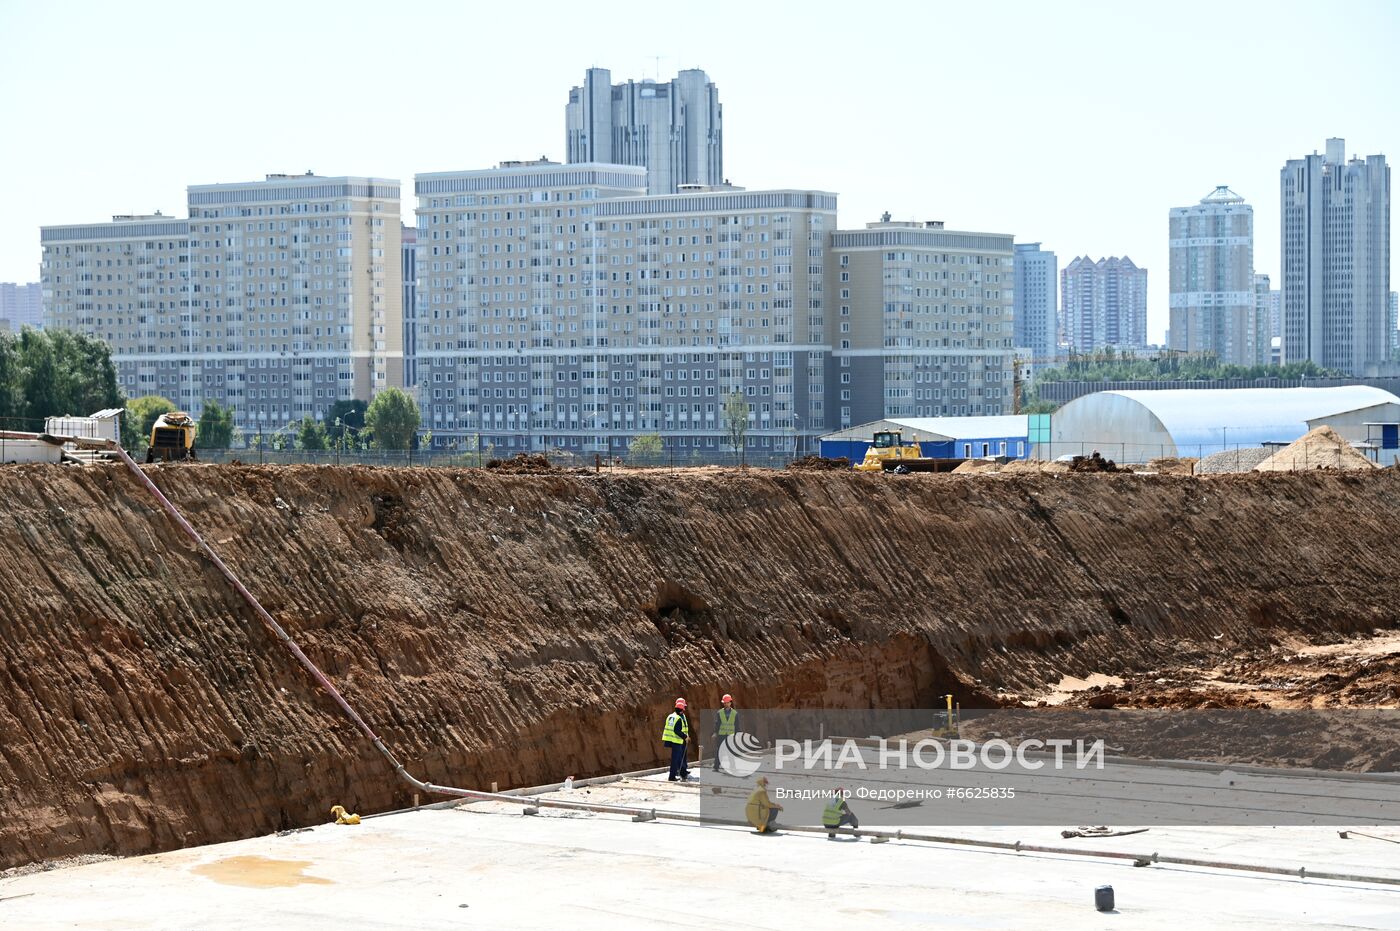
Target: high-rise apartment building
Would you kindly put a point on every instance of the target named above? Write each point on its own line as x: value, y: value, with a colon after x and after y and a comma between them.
x: 1104, y: 304
x: 560, y: 306
x: 408, y: 242
x: 276, y: 297
x: 1336, y: 260
x: 1213, y: 300
x: 922, y: 322
x: 1035, y: 315
x: 1265, y: 320
x: 1394, y: 325
x: 673, y: 129
x: 21, y: 305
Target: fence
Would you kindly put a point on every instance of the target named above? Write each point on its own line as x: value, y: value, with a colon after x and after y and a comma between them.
x: 403, y: 458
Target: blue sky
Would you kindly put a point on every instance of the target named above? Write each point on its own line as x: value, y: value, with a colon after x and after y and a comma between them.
x: 1075, y: 124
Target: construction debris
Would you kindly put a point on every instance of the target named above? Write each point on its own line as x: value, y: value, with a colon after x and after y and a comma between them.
x: 1319, y: 448
x: 1100, y: 831
x: 819, y: 464
x: 1095, y: 463
x: 523, y: 464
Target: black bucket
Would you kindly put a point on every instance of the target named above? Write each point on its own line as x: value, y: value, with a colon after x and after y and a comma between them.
x: 1103, y: 898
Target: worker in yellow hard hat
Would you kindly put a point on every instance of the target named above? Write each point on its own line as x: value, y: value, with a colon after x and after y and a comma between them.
x: 726, y: 724
x: 761, y: 810
x: 675, y: 736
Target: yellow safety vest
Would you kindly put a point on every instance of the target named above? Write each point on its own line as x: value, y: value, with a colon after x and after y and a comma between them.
x: 677, y: 730
x: 831, y: 814
x: 726, y: 721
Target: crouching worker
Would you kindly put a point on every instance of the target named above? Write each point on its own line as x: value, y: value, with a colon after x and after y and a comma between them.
x: 761, y: 810
x: 838, y: 814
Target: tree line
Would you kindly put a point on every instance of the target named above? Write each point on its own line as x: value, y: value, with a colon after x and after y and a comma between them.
x: 55, y: 373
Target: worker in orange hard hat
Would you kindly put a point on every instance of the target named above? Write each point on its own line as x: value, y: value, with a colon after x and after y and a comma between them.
x: 726, y: 724
x: 675, y: 736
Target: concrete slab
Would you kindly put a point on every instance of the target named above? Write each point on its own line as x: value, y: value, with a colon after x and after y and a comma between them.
x: 486, y: 865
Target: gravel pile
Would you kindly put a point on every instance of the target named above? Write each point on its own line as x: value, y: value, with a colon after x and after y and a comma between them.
x: 1243, y: 459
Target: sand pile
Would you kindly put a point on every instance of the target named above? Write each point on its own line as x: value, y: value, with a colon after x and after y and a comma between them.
x: 974, y: 466
x: 1172, y: 465
x: 1034, y: 465
x: 1320, y: 448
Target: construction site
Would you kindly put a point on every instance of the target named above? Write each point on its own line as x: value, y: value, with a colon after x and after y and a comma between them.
x: 198, y: 661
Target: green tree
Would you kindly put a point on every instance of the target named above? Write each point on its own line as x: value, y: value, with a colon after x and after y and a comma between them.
x: 645, y: 447
x: 215, y: 426
x: 141, y: 414
x: 10, y: 402
x: 348, y: 413
x: 310, y: 434
x: 736, y: 420
x: 392, y: 419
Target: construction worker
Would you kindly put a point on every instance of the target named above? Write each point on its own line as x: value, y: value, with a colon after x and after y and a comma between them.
x: 675, y: 736
x: 726, y: 723
x: 838, y: 814
x: 761, y: 810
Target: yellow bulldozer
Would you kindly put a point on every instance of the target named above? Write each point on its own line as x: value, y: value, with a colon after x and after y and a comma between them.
x: 172, y: 437
x: 889, y: 453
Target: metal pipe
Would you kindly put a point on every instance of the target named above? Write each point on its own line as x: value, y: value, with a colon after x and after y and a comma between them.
x: 652, y: 813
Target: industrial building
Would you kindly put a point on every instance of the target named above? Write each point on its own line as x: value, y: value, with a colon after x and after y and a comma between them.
x: 940, y: 437
x: 1135, y: 426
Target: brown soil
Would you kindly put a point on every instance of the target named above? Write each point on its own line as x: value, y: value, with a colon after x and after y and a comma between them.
x: 523, y: 463
x: 819, y: 464
x: 518, y: 629
x: 1171, y: 465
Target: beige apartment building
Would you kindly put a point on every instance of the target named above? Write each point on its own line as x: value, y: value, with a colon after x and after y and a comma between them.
x: 276, y: 297
x: 921, y: 322
x: 559, y: 306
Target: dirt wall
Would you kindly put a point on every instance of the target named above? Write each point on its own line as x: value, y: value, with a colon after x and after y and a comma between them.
x: 521, y: 628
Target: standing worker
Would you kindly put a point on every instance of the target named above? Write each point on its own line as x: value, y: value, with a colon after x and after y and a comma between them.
x: 761, y: 810
x: 838, y: 814
x: 726, y: 723
x: 675, y: 737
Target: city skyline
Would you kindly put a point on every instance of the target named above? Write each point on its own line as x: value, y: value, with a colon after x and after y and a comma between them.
x: 1164, y: 150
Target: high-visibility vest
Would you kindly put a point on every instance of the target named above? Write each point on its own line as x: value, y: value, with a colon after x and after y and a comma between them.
x: 727, y: 717
x: 677, y: 730
x: 831, y: 814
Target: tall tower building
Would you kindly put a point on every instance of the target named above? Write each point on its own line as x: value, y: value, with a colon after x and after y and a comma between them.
x: 408, y: 245
x: 1213, y: 301
x: 672, y: 129
x: 922, y: 324
x: 276, y: 297
x: 1104, y: 304
x: 1035, y: 314
x: 1336, y: 260
x: 1265, y: 320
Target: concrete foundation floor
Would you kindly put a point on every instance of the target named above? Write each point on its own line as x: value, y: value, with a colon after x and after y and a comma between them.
x: 486, y: 865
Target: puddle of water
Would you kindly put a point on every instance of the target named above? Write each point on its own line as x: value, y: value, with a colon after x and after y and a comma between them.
x: 259, y: 872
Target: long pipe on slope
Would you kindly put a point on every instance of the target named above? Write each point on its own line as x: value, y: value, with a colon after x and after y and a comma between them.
x: 649, y: 814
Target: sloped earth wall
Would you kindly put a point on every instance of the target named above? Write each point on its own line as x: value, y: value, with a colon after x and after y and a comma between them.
x: 518, y: 629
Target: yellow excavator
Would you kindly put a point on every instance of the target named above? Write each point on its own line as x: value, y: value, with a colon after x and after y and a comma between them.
x: 889, y: 453
x: 172, y: 437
